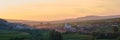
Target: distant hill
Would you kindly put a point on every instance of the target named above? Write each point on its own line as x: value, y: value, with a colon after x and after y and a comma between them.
x: 98, y: 17
x: 82, y: 20
x: 86, y: 18
x: 5, y: 25
x: 23, y: 21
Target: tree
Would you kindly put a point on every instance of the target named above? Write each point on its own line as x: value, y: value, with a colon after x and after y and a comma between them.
x: 17, y: 38
x: 115, y: 28
x: 36, y: 35
x: 54, y: 35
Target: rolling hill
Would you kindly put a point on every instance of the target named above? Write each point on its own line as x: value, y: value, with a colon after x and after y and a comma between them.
x: 86, y: 18
x: 79, y: 19
x: 92, y: 17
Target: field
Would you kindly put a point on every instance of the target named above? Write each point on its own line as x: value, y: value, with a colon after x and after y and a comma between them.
x: 71, y: 36
x: 104, y: 26
x: 76, y: 37
x: 80, y: 37
x: 7, y: 35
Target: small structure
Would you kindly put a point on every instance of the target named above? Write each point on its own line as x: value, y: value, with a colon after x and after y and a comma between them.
x: 69, y: 27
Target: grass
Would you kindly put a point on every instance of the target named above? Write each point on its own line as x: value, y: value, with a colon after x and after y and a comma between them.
x: 79, y: 37
x: 76, y: 37
x: 104, y: 28
x: 6, y: 35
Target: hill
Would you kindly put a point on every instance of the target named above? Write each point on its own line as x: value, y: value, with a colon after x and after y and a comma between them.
x: 23, y: 21
x: 92, y: 17
x: 82, y: 20
x: 86, y: 18
x: 103, y: 25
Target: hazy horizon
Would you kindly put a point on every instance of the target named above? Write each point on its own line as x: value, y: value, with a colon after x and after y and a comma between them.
x: 50, y: 10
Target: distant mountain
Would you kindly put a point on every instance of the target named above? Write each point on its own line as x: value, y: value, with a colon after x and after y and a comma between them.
x: 86, y: 18
x: 92, y: 17
x: 5, y: 25
x: 79, y: 19
x: 23, y: 21
x: 97, y: 17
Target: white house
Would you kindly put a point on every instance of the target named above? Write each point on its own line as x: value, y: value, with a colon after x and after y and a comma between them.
x: 69, y: 27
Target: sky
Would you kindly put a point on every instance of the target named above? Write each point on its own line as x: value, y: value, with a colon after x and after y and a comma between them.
x: 50, y: 10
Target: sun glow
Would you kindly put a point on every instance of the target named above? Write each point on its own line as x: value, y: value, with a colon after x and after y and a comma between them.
x: 47, y: 10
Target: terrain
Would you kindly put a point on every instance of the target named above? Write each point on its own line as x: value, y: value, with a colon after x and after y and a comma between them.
x: 86, y: 18
x: 89, y: 24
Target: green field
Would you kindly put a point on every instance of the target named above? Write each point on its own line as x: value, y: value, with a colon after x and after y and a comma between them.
x: 80, y: 37
x: 76, y: 37
x: 7, y: 35
x: 72, y: 36
x: 45, y: 35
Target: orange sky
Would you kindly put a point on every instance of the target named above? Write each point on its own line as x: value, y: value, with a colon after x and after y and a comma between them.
x: 49, y: 10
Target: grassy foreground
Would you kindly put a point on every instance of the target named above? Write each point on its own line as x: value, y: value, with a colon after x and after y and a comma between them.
x: 79, y: 37
x: 7, y: 35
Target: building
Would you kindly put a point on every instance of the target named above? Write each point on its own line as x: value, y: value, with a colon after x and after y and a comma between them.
x: 69, y: 28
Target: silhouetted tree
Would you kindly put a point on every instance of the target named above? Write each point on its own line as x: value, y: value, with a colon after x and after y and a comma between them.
x: 54, y: 35
x: 36, y: 35
x: 17, y: 38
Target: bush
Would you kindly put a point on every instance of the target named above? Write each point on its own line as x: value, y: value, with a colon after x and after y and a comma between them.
x: 54, y: 35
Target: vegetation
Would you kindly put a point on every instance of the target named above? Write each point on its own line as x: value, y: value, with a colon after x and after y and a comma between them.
x: 13, y: 35
x: 54, y: 35
x: 102, y: 31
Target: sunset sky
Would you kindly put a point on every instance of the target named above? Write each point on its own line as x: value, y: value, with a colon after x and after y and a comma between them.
x: 49, y: 10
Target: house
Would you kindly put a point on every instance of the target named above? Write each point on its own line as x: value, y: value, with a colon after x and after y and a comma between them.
x: 69, y: 28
